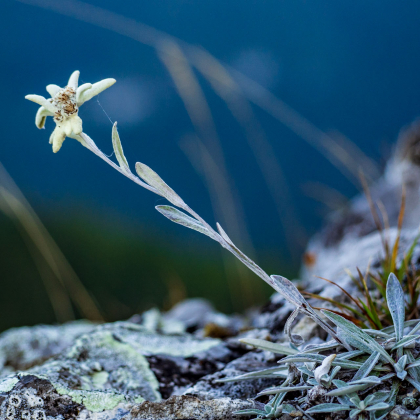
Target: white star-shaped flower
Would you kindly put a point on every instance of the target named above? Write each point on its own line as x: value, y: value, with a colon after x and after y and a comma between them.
x: 64, y: 107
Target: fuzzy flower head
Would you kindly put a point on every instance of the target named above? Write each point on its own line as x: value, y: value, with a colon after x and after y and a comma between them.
x: 64, y: 106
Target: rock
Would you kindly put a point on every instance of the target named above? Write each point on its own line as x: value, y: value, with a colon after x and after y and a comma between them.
x: 308, y: 329
x: 105, y: 370
x: 273, y: 315
x: 401, y: 413
x: 350, y: 238
x: 193, y: 313
x: 22, y: 348
x: 208, y: 388
x: 188, y: 407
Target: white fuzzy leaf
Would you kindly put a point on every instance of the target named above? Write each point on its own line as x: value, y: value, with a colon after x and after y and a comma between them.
x: 327, y: 408
x: 181, y: 218
x: 356, y: 337
x: 396, y: 305
x: 269, y: 346
x: 118, y: 150
x: 154, y: 180
x: 367, y: 366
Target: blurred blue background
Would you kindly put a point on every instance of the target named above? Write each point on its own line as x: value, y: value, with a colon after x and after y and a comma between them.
x: 350, y: 68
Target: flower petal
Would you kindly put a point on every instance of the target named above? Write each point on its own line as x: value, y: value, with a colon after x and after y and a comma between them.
x: 40, y: 100
x: 53, y: 89
x: 76, y: 125
x: 41, y: 116
x: 80, y: 91
x: 57, y: 138
x: 96, y: 89
x: 74, y: 80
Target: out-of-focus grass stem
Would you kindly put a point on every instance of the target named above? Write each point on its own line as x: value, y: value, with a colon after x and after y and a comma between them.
x: 23, y: 214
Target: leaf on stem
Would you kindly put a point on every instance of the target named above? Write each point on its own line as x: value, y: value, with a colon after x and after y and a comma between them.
x: 154, y: 180
x: 181, y: 218
x: 118, y: 150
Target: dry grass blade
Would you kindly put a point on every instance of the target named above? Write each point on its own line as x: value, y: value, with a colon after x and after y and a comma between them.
x: 343, y: 290
x: 227, y: 88
x: 375, y: 215
x: 205, y: 165
x: 46, y: 246
x: 226, y: 206
x: 394, y: 255
x: 57, y: 294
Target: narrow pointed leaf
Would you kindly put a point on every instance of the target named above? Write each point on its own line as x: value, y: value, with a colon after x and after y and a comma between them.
x: 223, y: 234
x: 347, y: 390
x: 367, y: 366
x: 181, y: 218
x: 357, y: 337
x: 328, y: 408
x: 250, y: 412
x: 277, y: 372
x: 414, y: 383
x: 391, y: 330
x: 377, y: 397
x: 406, y: 341
x: 277, y: 390
x: 396, y: 304
x: 293, y: 338
x: 154, y: 180
x: 379, y: 406
x: 118, y: 150
x: 269, y: 345
x: 353, y: 413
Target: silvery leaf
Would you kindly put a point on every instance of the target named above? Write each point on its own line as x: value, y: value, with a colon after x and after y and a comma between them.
x: 183, y: 219
x: 290, y: 291
x: 327, y: 408
x: 277, y: 390
x: 350, y: 354
x: 371, y: 380
x: 396, y: 304
x: 354, y: 413
x: 414, y: 383
x: 313, y: 348
x: 250, y: 412
x: 367, y: 366
x: 223, y: 234
x: 154, y: 180
x: 294, y: 338
x: 377, y: 397
x: 269, y: 345
x: 347, y: 390
x: 414, y: 371
x: 276, y: 372
x: 406, y: 341
x: 358, y: 337
x: 391, y: 330
x: 379, y: 406
x: 334, y: 372
x: 118, y: 150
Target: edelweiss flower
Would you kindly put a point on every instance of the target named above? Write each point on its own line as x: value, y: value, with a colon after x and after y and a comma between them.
x: 64, y: 107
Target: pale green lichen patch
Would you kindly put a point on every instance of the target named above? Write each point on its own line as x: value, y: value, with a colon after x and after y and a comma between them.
x: 106, y: 367
x: 95, y: 401
x: 151, y: 343
x: 8, y: 383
